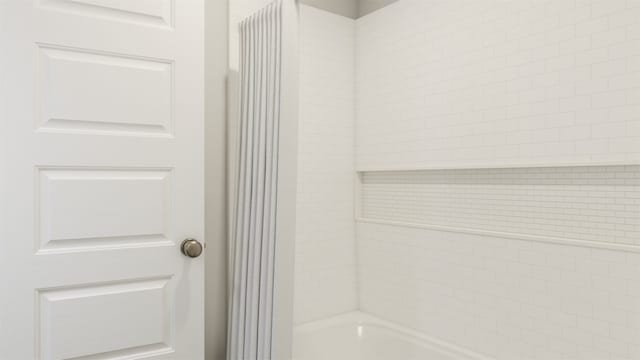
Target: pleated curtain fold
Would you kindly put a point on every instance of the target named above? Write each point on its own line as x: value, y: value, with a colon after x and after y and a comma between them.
x: 254, y: 222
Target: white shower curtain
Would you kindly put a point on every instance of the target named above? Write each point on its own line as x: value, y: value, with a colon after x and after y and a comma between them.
x: 254, y: 220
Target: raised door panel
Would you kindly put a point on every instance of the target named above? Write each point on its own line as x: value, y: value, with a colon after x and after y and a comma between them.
x: 146, y: 12
x: 81, y: 91
x: 104, y: 321
x: 89, y: 209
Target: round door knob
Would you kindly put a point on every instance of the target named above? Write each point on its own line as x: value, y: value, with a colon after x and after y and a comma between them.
x: 191, y: 248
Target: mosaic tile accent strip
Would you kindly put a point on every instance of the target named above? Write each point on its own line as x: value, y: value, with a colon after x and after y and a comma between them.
x: 594, y: 203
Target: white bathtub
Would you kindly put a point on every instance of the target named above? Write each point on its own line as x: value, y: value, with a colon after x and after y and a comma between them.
x: 358, y: 336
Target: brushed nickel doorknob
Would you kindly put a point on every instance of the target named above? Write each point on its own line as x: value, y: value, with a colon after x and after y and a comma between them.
x: 191, y: 248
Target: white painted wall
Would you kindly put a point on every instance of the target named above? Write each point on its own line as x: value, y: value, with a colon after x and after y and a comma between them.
x: 215, y: 184
x: 325, y: 281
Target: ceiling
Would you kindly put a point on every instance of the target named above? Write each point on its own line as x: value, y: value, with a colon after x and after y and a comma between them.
x: 349, y: 8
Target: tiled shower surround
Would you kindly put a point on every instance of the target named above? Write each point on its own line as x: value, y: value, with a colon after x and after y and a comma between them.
x: 594, y: 203
x: 440, y: 251
x: 503, y: 297
x: 514, y: 251
x: 325, y: 279
x: 465, y: 83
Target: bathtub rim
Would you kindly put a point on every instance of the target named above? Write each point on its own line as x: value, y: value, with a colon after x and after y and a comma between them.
x: 359, y: 318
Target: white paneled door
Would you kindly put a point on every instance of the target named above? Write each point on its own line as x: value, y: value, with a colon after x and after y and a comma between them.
x: 101, y: 179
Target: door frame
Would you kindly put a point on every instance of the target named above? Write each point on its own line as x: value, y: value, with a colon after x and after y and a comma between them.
x: 216, y: 49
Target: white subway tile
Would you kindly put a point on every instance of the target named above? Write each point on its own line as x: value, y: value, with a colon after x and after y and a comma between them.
x: 634, y: 31
x: 575, y: 103
x: 624, y: 17
x: 609, y: 130
x: 599, y: 24
x: 626, y: 113
x: 607, y: 7
x: 591, y: 56
x: 579, y: 132
x: 610, y: 37
x: 609, y: 99
x: 582, y: 43
x: 609, y: 68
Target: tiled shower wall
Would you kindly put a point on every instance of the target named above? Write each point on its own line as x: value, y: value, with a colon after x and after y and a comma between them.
x: 473, y: 84
x: 441, y: 251
x: 325, y: 279
x: 489, y: 82
x: 507, y: 298
x: 520, y: 263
